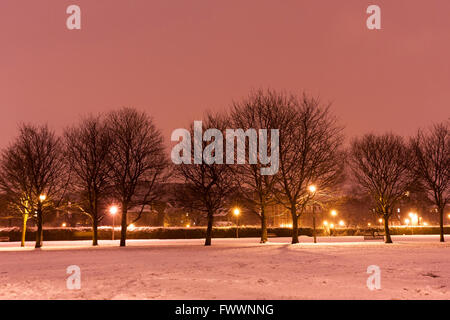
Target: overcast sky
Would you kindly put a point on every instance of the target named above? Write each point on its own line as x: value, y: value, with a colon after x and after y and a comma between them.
x: 177, y: 58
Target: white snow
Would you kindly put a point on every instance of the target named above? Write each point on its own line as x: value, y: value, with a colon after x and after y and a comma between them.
x: 414, y: 267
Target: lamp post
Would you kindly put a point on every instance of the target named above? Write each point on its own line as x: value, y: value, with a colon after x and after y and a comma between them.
x: 113, y: 210
x: 313, y: 189
x: 333, y: 214
x: 236, y: 212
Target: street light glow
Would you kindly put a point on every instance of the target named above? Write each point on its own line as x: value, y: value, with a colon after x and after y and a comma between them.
x: 236, y: 211
x: 312, y: 188
x: 113, y: 210
x: 325, y: 223
x: 341, y: 223
x: 42, y: 197
x: 334, y: 213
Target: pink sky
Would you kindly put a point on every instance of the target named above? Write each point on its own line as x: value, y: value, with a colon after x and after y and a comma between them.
x: 177, y: 58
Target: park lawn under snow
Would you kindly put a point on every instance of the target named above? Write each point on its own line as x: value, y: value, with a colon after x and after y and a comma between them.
x: 414, y: 267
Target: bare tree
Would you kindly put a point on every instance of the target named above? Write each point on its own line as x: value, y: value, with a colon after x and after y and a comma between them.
x: 207, y: 185
x: 87, y: 148
x: 432, y: 166
x: 33, y: 174
x: 310, y: 155
x: 380, y: 165
x: 260, y: 110
x: 137, y: 162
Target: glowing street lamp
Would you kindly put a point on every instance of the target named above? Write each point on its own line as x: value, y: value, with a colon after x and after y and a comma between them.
x: 42, y: 197
x: 341, y: 223
x: 236, y: 213
x: 113, y: 211
x: 407, y: 221
x: 325, y: 223
x: 334, y: 213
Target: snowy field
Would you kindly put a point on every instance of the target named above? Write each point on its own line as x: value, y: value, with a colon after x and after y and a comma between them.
x: 414, y: 267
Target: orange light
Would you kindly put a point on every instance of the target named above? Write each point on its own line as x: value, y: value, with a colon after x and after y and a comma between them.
x: 113, y: 210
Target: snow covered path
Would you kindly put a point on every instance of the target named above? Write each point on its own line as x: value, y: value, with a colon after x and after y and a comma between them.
x: 414, y: 267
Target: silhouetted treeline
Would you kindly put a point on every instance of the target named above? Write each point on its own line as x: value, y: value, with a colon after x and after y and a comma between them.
x: 120, y: 158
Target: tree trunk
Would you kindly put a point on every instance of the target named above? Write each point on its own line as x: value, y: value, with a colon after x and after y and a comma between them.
x: 386, y: 229
x: 123, y: 229
x: 94, y: 230
x: 39, y: 232
x: 24, y: 229
x: 94, y: 207
x: 263, y: 225
x: 441, y: 223
x: 294, y: 225
x: 209, y: 229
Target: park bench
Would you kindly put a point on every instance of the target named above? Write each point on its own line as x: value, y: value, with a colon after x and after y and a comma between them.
x: 4, y: 239
x: 373, y: 235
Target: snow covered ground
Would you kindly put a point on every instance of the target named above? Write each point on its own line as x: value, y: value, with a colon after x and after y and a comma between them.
x: 414, y: 267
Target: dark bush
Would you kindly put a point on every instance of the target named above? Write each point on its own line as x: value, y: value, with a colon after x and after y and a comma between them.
x: 104, y: 233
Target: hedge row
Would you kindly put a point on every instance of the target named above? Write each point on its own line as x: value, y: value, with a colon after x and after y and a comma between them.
x: 53, y: 234
x: 104, y: 233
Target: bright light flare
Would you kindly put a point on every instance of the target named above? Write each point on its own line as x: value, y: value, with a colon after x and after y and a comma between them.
x: 312, y: 188
x: 334, y: 213
x: 113, y: 210
x: 236, y: 212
